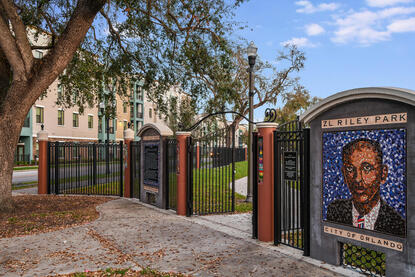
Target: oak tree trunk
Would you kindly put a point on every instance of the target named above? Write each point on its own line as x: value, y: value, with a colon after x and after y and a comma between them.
x: 12, y: 116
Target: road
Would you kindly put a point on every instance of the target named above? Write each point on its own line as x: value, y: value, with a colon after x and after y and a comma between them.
x: 24, y: 176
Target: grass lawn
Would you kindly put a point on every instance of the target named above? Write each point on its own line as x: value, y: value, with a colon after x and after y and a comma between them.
x: 17, y: 168
x: 112, y: 188
x: 34, y: 214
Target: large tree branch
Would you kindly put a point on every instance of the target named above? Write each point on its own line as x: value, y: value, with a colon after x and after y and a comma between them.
x: 19, y: 29
x: 9, y: 47
x: 58, y: 58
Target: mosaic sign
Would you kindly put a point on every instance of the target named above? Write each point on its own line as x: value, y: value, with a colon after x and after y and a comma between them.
x: 290, y: 166
x: 260, y: 159
x: 364, y: 179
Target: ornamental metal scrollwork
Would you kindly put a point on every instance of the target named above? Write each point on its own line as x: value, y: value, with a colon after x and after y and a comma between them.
x: 270, y: 115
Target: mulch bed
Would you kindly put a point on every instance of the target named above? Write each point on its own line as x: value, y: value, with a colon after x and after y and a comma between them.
x: 44, y: 213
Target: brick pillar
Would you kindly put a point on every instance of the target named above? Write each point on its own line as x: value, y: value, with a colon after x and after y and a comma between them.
x: 266, y: 187
x: 182, y: 172
x: 197, y: 155
x: 246, y: 153
x: 42, y: 171
x: 128, y: 138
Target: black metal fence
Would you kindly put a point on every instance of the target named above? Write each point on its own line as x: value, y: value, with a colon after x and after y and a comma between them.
x: 212, y: 186
x: 171, y: 171
x: 135, y: 170
x: 86, y: 168
x: 291, y: 178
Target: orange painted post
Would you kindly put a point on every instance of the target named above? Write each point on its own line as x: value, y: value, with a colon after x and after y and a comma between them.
x: 42, y: 171
x: 128, y: 138
x: 265, y: 186
x: 246, y: 153
x: 197, y: 156
x: 182, y: 172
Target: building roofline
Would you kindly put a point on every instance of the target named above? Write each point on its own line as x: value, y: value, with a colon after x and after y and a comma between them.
x: 390, y: 93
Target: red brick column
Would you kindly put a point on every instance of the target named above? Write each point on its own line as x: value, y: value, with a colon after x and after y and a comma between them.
x: 42, y: 171
x: 266, y: 187
x: 197, y: 155
x: 128, y: 138
x: 182, y: 172
x: 246, y: 153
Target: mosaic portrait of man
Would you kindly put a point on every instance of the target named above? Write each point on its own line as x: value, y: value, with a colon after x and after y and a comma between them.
x: 364, y: 172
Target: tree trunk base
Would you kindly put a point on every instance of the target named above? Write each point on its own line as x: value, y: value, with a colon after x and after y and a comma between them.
x: 7, y: 205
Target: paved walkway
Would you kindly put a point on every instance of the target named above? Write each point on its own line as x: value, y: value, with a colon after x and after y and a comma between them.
x: 130, y: 234
x: 241, y: 186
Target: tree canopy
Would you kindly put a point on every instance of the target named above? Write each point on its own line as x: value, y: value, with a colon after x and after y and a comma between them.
x: 95, y: 44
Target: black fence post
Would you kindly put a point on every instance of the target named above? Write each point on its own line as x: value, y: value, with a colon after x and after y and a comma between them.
x: 48, y: 168
x: 233, y: 167
x: 166, y: 172
x: 189, y: 183
x: 121, y: 168
x: 254, y: 185
x: 57, y: 167
x: 305, y: 187
x: 277, y: 190
x: 94, y: 164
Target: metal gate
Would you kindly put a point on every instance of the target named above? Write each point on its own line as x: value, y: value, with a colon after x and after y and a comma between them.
x: 211, y: 173
x: 135, y: 170
x: 171, y: 171
x: 292, y: 187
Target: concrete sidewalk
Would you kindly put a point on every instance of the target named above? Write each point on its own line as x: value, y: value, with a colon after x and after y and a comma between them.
x: 130, y: 234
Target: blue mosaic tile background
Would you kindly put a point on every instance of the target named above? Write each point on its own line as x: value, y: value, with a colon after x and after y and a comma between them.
x: 393, y: 143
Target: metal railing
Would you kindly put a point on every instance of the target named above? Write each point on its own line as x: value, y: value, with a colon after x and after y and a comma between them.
x: 85, y: 168
x: 367, y: 261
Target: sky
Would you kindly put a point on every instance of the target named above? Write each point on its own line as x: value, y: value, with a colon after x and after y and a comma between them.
x: 348, y: 44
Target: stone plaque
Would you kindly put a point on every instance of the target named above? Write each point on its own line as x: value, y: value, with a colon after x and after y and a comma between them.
x: 151, y: 164
x: 290, y: 166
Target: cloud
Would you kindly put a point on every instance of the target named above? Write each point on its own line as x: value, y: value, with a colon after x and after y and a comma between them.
x: 367, y: 27
x: 314, y: 29
x: 402, y: 26
x: 385, y: 3
x: 299, y: 42
x: 269, y: 43
x: 308, y: 7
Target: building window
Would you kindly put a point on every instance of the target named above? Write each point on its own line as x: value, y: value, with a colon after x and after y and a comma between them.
x: 124, y: 107
x: 150, y: 113
x: 75, y: 119
x: 37, y: 54
x: 90, y: 121
x: 61, y: 117
x: 125, y: 124
x: 39, y: 115
x: 59, y: 91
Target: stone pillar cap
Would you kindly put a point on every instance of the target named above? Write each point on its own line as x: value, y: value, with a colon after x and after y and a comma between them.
x: 42, y: 136
x: 183, y: 133
x: 266, y: 125
x: 128, y: 134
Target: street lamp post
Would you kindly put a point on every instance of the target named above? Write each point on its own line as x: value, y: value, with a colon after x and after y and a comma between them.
x: 252, y: 53
x: 107, y: 150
